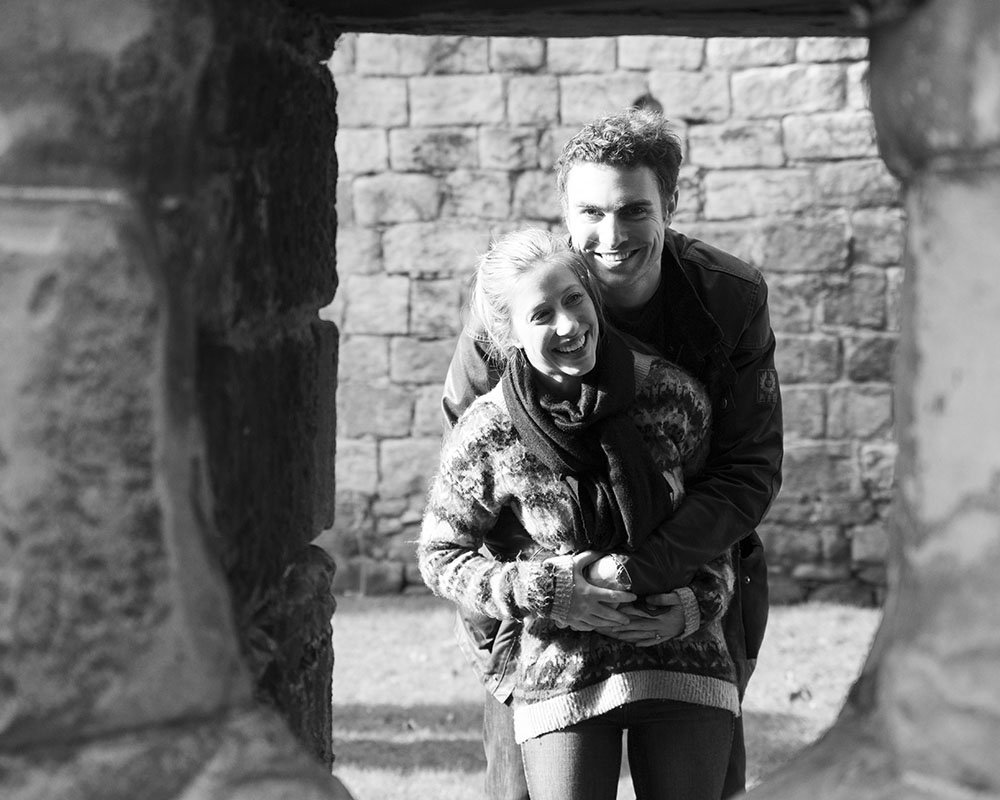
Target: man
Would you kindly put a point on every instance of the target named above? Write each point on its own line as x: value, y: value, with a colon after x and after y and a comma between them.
x: 699, y: 307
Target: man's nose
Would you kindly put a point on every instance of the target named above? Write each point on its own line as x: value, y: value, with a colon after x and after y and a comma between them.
x: 610, y: 231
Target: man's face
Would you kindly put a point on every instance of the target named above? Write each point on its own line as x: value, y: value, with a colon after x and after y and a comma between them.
x: 617, y: 220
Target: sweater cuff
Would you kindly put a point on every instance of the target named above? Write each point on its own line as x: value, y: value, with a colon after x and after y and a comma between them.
x: 561, y: 568
x: 692, y: 613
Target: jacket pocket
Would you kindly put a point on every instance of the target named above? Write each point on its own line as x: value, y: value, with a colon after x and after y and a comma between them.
x: 753, y: 593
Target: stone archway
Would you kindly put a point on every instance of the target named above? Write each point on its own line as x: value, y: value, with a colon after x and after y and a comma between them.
x: 164, y: 245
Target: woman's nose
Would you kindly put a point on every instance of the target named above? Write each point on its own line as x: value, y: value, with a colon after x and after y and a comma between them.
x: 566, y: 323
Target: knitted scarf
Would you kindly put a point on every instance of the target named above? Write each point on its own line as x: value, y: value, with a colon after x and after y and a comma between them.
x: 619, y: 493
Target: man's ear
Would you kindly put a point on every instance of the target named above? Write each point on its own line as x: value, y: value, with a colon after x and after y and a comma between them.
x: 671, y: 205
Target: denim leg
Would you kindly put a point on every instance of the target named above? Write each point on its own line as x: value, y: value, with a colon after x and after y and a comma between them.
x: 504, y: 767
x: 678, y: 751
x: 581, y: 762
x: 736, y: 770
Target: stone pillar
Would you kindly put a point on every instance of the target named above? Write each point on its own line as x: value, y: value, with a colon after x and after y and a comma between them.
x: 121, y: 671
x: 924, y: 719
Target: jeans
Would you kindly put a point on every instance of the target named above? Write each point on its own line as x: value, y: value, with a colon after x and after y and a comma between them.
x: 676, y: 751
x: 505, y: 779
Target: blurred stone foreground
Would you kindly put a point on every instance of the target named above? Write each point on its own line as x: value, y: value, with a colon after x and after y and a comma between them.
x: 167, y: 225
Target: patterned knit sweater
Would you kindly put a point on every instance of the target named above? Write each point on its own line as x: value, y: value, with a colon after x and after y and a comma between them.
x: 565, y: 676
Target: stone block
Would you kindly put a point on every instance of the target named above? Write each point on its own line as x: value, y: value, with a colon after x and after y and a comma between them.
x: 354, y: 521
x: 366, y: 409
x: 803, y: 244
x: 348, y: 578
x: 879, y: 235
x: 804, y: 411
x: 359, y: 251
x: 835, y: 135
x: 894, y: 288
x: 405, y: 54
x: 484, y: 194
x: 823, y: 573
x: 870, y: 357
x: 809, y: 358
x: 371, y: 102
x: 442, y: 248
x: 533, y: 100
x: 859, y: 86
x: 362, y: 150
x: 857, y: 300
x: 856, y: 184
x: 428, y: 418
x: 763, y: 92
x: 734, y: 193
x: 435, y: 307
x: 738, y: 53
x: 420, y: 360
x: 878, y: 468
x: 693, y: 96
x: 378, y: 304
x: 831, y: 48
x: 584, y: 97
x: 406, y: 466
x: 836, y: 547
x: 661, y: 52
x: 345, y: 50
x: 516, y: 53
x: 345, y: 203
x: 860, y: 411
x: 820, y: 468
x: 535, y: 196
x: 427, y: 149
x: 396, y: 197
x: 456, y: 100
x: 736, y: 144
x: 514, y: 149
x: 783, y: 590
x: 595, y: 54
x: 794, y: 301
x: 414, y: 581
x: 381, y: 577
x: 364, y: 359
x: 870, y: 543
x: 788, y: 545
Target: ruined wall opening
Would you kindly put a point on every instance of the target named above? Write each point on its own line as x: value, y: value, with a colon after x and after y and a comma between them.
x: 446, y: 141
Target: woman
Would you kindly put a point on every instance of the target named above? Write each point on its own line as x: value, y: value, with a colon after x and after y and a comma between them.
x: 588, y: 442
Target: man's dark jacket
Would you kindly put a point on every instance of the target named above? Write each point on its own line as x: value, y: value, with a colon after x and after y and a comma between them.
x: 709, y: 314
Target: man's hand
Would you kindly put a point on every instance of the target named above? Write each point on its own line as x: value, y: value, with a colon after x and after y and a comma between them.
x: 590, y: 606
x: 647, y: 630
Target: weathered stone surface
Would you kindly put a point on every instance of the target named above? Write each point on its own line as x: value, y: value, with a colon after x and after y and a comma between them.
x: 593, y: 54
x: 402, y: 54
x: 870, y: 357
x: 790, y: 89
x: 477, y: 193
x: 693, y: 96
x: 869, y: 543
x: 428, y: 418
x: 533, y: 100
x: 357, y: 467
x: 736, y: 144
x: 435, y: 308
x: 731, y: 194
x: 435, y: 248
x: 425, y: 149
x: 842, y: 134
x: 804, y: 411
x: 584, y: 97
x: 375, y: 410
x: 364, y: 359
x: 857, y: 299
x: 396, y: 197
x: 362, y: 150
x: 863, y: 410
x: 371, y: 102
x: 512, y: 149
x: 419, y: 360
x: 856, y: 184
x: 878, y: 471
x: 795, y: 300
x: 405, y: 466
x: 878, y: 236
x: 456, y: 100
x: 661, y: 53
x: 737, y: 53
x: 512, y: 53
x: 803, y: 244
x: 359, y: 251
x: 535, y: 196
x: 858, y: 91
x: 379, y: 304
x: 831, y: 48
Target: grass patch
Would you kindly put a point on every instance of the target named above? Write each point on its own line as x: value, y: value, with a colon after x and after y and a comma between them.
x: 407, y: 710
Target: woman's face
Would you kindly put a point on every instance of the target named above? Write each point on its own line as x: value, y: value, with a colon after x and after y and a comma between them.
x: 554, y: 321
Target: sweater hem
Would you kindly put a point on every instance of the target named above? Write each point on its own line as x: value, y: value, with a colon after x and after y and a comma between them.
x: 533, y: 719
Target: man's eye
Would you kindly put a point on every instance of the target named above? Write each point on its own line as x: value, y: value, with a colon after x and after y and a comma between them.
x: 636, y: 212
x: 590, y: 213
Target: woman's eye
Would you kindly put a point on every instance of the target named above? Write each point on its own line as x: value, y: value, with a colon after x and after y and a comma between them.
x: 574, y: 298
x: 540, y: 317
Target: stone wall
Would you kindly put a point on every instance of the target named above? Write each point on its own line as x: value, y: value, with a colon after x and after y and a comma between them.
x: 445, y: 141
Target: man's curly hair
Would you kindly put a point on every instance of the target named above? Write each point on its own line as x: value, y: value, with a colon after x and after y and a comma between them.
x: 632, y: 138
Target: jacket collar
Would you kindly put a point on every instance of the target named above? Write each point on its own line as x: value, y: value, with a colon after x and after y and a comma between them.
x: 700, y: 329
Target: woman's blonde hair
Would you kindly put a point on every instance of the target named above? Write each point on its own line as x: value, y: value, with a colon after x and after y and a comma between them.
x: 513, y: 255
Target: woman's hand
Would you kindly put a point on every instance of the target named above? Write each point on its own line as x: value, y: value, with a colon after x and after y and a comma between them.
x: 647, y: 630
x: 592, y: 607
